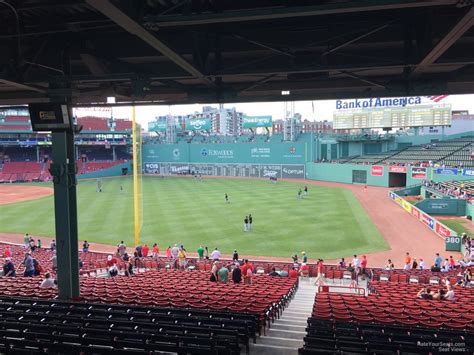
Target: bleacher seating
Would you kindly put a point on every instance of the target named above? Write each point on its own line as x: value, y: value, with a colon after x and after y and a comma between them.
x: 93, y: 124
x: 34, y: 326
x: 341, y: 337
x: 123, y: 125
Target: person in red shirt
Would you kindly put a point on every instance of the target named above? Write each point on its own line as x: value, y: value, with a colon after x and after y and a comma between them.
x: 363, y: 265
x: 145, y: 250
x: 156, y: 251
x: 293, y: 274
x: 168, y: 252
x: 304, y: 270
x: 7, y: 253
x: 111, y: 260
x: 452, y: 263
x: 245, y: 272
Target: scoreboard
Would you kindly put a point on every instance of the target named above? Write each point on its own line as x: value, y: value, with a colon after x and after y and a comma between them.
x: 388, y: 117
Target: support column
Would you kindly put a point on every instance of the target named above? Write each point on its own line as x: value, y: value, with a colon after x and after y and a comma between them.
x: 114, y: 155
x: 65, y: 206
x: 37, y: 154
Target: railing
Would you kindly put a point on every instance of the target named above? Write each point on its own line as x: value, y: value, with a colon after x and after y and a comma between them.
x: 345, y: 289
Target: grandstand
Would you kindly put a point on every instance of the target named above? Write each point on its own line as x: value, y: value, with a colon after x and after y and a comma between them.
x: 452, y: 152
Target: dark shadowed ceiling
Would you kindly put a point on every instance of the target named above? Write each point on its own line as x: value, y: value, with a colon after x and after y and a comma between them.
x: 202, y: 51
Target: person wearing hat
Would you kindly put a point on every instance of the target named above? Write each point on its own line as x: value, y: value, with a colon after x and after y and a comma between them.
x: 305, y: 258
x: 235, y: 257
x: 9, y: 268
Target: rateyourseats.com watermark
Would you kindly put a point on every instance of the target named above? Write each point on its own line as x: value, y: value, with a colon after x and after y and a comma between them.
x: 443, y: 346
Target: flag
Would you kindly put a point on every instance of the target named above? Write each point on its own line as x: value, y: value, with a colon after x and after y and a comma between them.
x: 437, y: 98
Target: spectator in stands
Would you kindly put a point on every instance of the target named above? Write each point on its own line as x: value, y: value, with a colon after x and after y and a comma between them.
x: 54, y: 262
x: 304, y: 270
x: 320, y: 273
x: 125, y: 257
x: 216, y: 254
x: 237, y: 274
x: 145, y: 250
x: 29, y: 267
x: 32, y: 245
x: 283, y: 273
x: 438, y: 261
x: 363, y: 266
x: 7, y: 253
x: 182, y: 258
x: 305, y: 257
x: 235, y: 256
x: 26, y: 240
x: 389, y: 265
x: 223, y: 274
x: 293, y: 274
x: 121, y: 248
x: 111, y: 260
x: 48, y: 281
x: 139, y: 249
x: 415, y: 264
x: 129, y: 268
x: 200, y: 252
x: 38, y: 267
x: 52, y: 245
x: 452, y: 263
x: 113, y: 270
x: 155, y: 252
x: 206, y: 253
x: 446, y: 267
x: 407, y: 261
x: 9, y: 268
x: 422, y: 265
x: 214, y: 270
x: 295, y: 259
x: 342, y: 263
x: 39, y: 244
x: 425, y: 294
x: 449, y: 293
x: 168, y: 252
x: 174, y: 252
x: 274, y: 273
x: 85, y: 247
x: 247, y: 271
x: 467, y: 277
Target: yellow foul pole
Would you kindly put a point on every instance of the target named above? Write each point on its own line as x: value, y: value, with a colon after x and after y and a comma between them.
x: 135, y: 177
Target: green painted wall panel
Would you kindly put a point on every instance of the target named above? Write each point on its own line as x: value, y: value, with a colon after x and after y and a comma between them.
x: 343, y: 173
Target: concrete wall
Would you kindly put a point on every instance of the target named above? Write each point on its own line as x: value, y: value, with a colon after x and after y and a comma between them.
x: 113, y: 171
x: 443, y: 206
x: 343, y: 173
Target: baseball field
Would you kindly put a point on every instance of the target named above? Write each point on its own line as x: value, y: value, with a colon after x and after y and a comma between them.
x: 328, y: 223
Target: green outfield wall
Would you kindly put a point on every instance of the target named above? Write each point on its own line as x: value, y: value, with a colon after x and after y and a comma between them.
x: 243, y: 153
x: 116, y: 170
x: 443, y: 206
x: 346, y: 173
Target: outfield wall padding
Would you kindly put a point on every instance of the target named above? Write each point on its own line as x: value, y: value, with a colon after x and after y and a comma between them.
x: 116, y: 170
x: 345, y: 173
x: 443, y: 206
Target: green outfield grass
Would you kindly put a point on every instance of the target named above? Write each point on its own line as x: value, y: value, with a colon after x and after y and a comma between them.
x: 329, y: 223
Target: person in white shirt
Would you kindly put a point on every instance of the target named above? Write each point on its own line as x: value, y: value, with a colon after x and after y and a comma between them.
x: 445, y: 266
x: 449, y: 294
x: 355, y: 261
x: 422, y: 265
x: 216, y: 254
x: 48, y: 282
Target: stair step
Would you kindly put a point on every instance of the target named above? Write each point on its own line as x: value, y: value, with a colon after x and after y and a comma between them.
x: 270, y: 349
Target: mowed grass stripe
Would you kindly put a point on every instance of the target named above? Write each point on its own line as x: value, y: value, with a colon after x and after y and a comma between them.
x: 329, y: 223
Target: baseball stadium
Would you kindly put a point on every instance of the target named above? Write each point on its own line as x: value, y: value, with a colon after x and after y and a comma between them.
x: 200, y: 178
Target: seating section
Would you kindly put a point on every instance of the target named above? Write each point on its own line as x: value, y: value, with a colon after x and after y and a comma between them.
x: 123, y: 125
x: 93, y: 124
x: 457, y: 189
x: 454, y: 152
x: 397, y: 303
x: 339, y: 337
x: 46, y: 326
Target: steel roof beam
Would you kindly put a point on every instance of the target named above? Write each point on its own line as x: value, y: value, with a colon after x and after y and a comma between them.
x: 130, y: 25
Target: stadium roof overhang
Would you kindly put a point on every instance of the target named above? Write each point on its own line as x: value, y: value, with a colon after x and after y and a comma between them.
x: 178, y: 51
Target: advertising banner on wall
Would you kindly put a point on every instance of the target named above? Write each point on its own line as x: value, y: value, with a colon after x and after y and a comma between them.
x: 157, y: 126
x: 432, y: 223
x: 446, y: 171
x: 198, y: 124
x: 418, y: 173
x: 376, y: 170
x: 468, y: 172
x: 256, y: 121
x: 287, y: 171
x: 397, y: 169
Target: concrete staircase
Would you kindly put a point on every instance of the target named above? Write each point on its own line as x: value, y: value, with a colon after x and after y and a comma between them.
x: 286, y: 335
